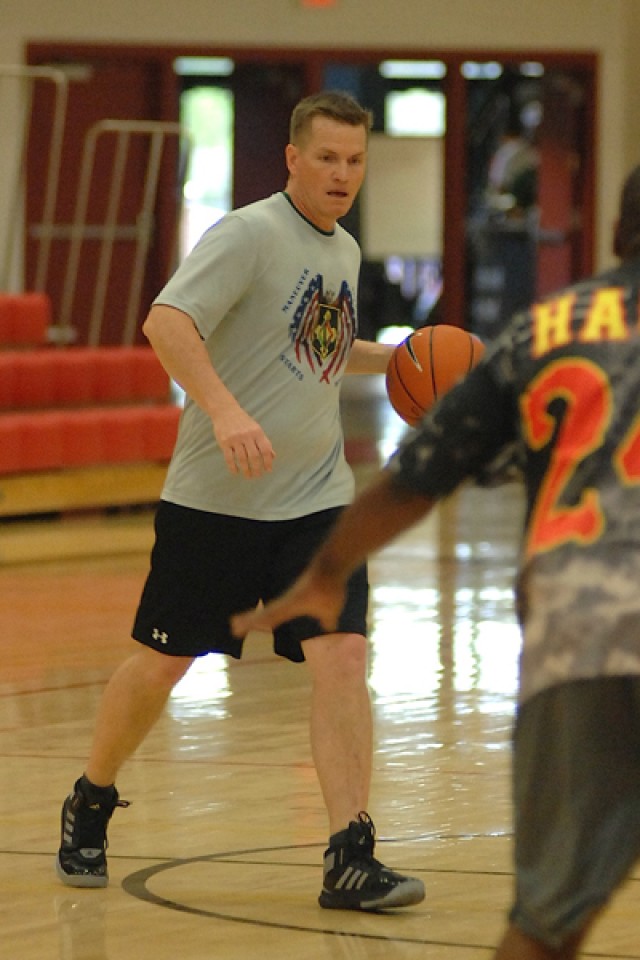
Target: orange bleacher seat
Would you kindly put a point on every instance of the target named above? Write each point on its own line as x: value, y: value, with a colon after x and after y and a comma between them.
x: 160, y: 431
x: 32, y: 318
x: 41, y: 441
x: 10, y: 443
x: 7, y: 380
x: 129, y: 374
x: 74, y: 376
x: 50, y: 440
x: 113, y: 375
x: 25, y: 319
x: 83, y: 406
x: 82, y: 438
x: 6, y: 319
x: 80, y: 376
x: 122, y: 432
x: 33, y: 380
x: 150, y: 380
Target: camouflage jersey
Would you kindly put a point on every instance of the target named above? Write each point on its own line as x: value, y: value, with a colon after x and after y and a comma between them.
x: 559, y: 391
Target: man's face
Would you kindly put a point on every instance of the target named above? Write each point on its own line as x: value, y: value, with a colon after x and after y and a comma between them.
x: 326, y: 170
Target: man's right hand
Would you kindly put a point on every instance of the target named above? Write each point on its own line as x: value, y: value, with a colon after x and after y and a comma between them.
x: 247, y: 449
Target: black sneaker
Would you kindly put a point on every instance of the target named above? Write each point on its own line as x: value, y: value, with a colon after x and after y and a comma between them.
x: 355, y: 880
x: 81, y: 860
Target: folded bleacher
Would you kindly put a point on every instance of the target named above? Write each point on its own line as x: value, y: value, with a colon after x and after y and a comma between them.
x: 68, y: 414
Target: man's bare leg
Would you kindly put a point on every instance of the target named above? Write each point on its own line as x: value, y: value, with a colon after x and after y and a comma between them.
x: 516, y: 945
x: 341, y: 724
x: 132, y: 702
x: 342, y: 748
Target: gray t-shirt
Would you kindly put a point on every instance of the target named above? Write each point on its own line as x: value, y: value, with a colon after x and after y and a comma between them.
x: 274, y: 300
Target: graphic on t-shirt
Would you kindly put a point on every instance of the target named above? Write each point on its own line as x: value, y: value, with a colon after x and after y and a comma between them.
x: 323, y: 329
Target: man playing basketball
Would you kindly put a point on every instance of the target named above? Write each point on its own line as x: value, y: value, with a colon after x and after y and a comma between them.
x: 560, y: 391
x: 258, y: 326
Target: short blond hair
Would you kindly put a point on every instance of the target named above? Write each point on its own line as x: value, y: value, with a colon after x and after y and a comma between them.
x: 335, y: 105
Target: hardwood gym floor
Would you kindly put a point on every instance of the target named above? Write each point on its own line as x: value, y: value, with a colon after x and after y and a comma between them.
x: 220, y: 853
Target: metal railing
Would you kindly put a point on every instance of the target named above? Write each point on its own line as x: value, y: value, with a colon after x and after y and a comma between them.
x: 26, y: 77
x: 110, y: 230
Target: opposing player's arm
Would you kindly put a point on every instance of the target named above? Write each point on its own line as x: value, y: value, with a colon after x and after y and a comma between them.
x: 376, y: 517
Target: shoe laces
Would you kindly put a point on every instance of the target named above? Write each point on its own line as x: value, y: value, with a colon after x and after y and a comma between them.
x: 103, y: 806
x: 362, y: 836
x: 91, y: 818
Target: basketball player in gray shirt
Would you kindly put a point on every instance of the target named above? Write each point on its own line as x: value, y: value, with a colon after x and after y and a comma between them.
x: 556, y: 395
x: 258, y: 326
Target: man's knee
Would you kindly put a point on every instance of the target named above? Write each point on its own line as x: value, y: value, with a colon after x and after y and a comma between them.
x: 161, y: 670
x: 340, y: 656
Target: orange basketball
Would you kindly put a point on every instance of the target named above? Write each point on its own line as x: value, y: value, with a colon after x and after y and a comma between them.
x: 427, y: 364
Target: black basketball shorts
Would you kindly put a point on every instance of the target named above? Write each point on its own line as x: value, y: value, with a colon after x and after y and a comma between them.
x: 207, y: 566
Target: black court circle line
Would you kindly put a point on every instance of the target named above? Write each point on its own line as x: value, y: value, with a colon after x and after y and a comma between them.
x: 135, y: 884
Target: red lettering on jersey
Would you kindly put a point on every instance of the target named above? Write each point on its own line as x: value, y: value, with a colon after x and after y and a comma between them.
x: 585, y: 390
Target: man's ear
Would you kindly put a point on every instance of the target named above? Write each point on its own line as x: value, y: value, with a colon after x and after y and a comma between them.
x: 290, y: 156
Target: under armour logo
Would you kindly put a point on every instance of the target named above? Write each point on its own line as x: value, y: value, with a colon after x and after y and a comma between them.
x: 160, y: 635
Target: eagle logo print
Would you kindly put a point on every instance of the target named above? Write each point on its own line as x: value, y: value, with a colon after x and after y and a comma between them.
x: 323, y: 329
x: 325, y: 333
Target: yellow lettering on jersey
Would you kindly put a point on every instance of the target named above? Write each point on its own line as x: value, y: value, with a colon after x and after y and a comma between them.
x: 605, y: 319
x: 552, y: 323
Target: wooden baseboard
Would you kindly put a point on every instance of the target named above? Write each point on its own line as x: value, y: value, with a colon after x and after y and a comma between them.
x: 65, y: 514
x: 82, y: 488
x: 73, y: 538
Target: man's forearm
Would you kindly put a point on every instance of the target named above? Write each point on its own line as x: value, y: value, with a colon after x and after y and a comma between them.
x: 182, y: 353
x: 377, y: 516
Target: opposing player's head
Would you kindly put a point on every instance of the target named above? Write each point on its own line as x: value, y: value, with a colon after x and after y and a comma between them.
x: 626, y: 241
x: 326, y: 156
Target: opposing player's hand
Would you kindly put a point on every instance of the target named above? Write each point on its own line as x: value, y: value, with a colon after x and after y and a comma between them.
x: 247, y: 449
x: 310, y: 596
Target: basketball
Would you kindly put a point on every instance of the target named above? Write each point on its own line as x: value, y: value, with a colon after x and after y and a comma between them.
x: 427, y: 364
